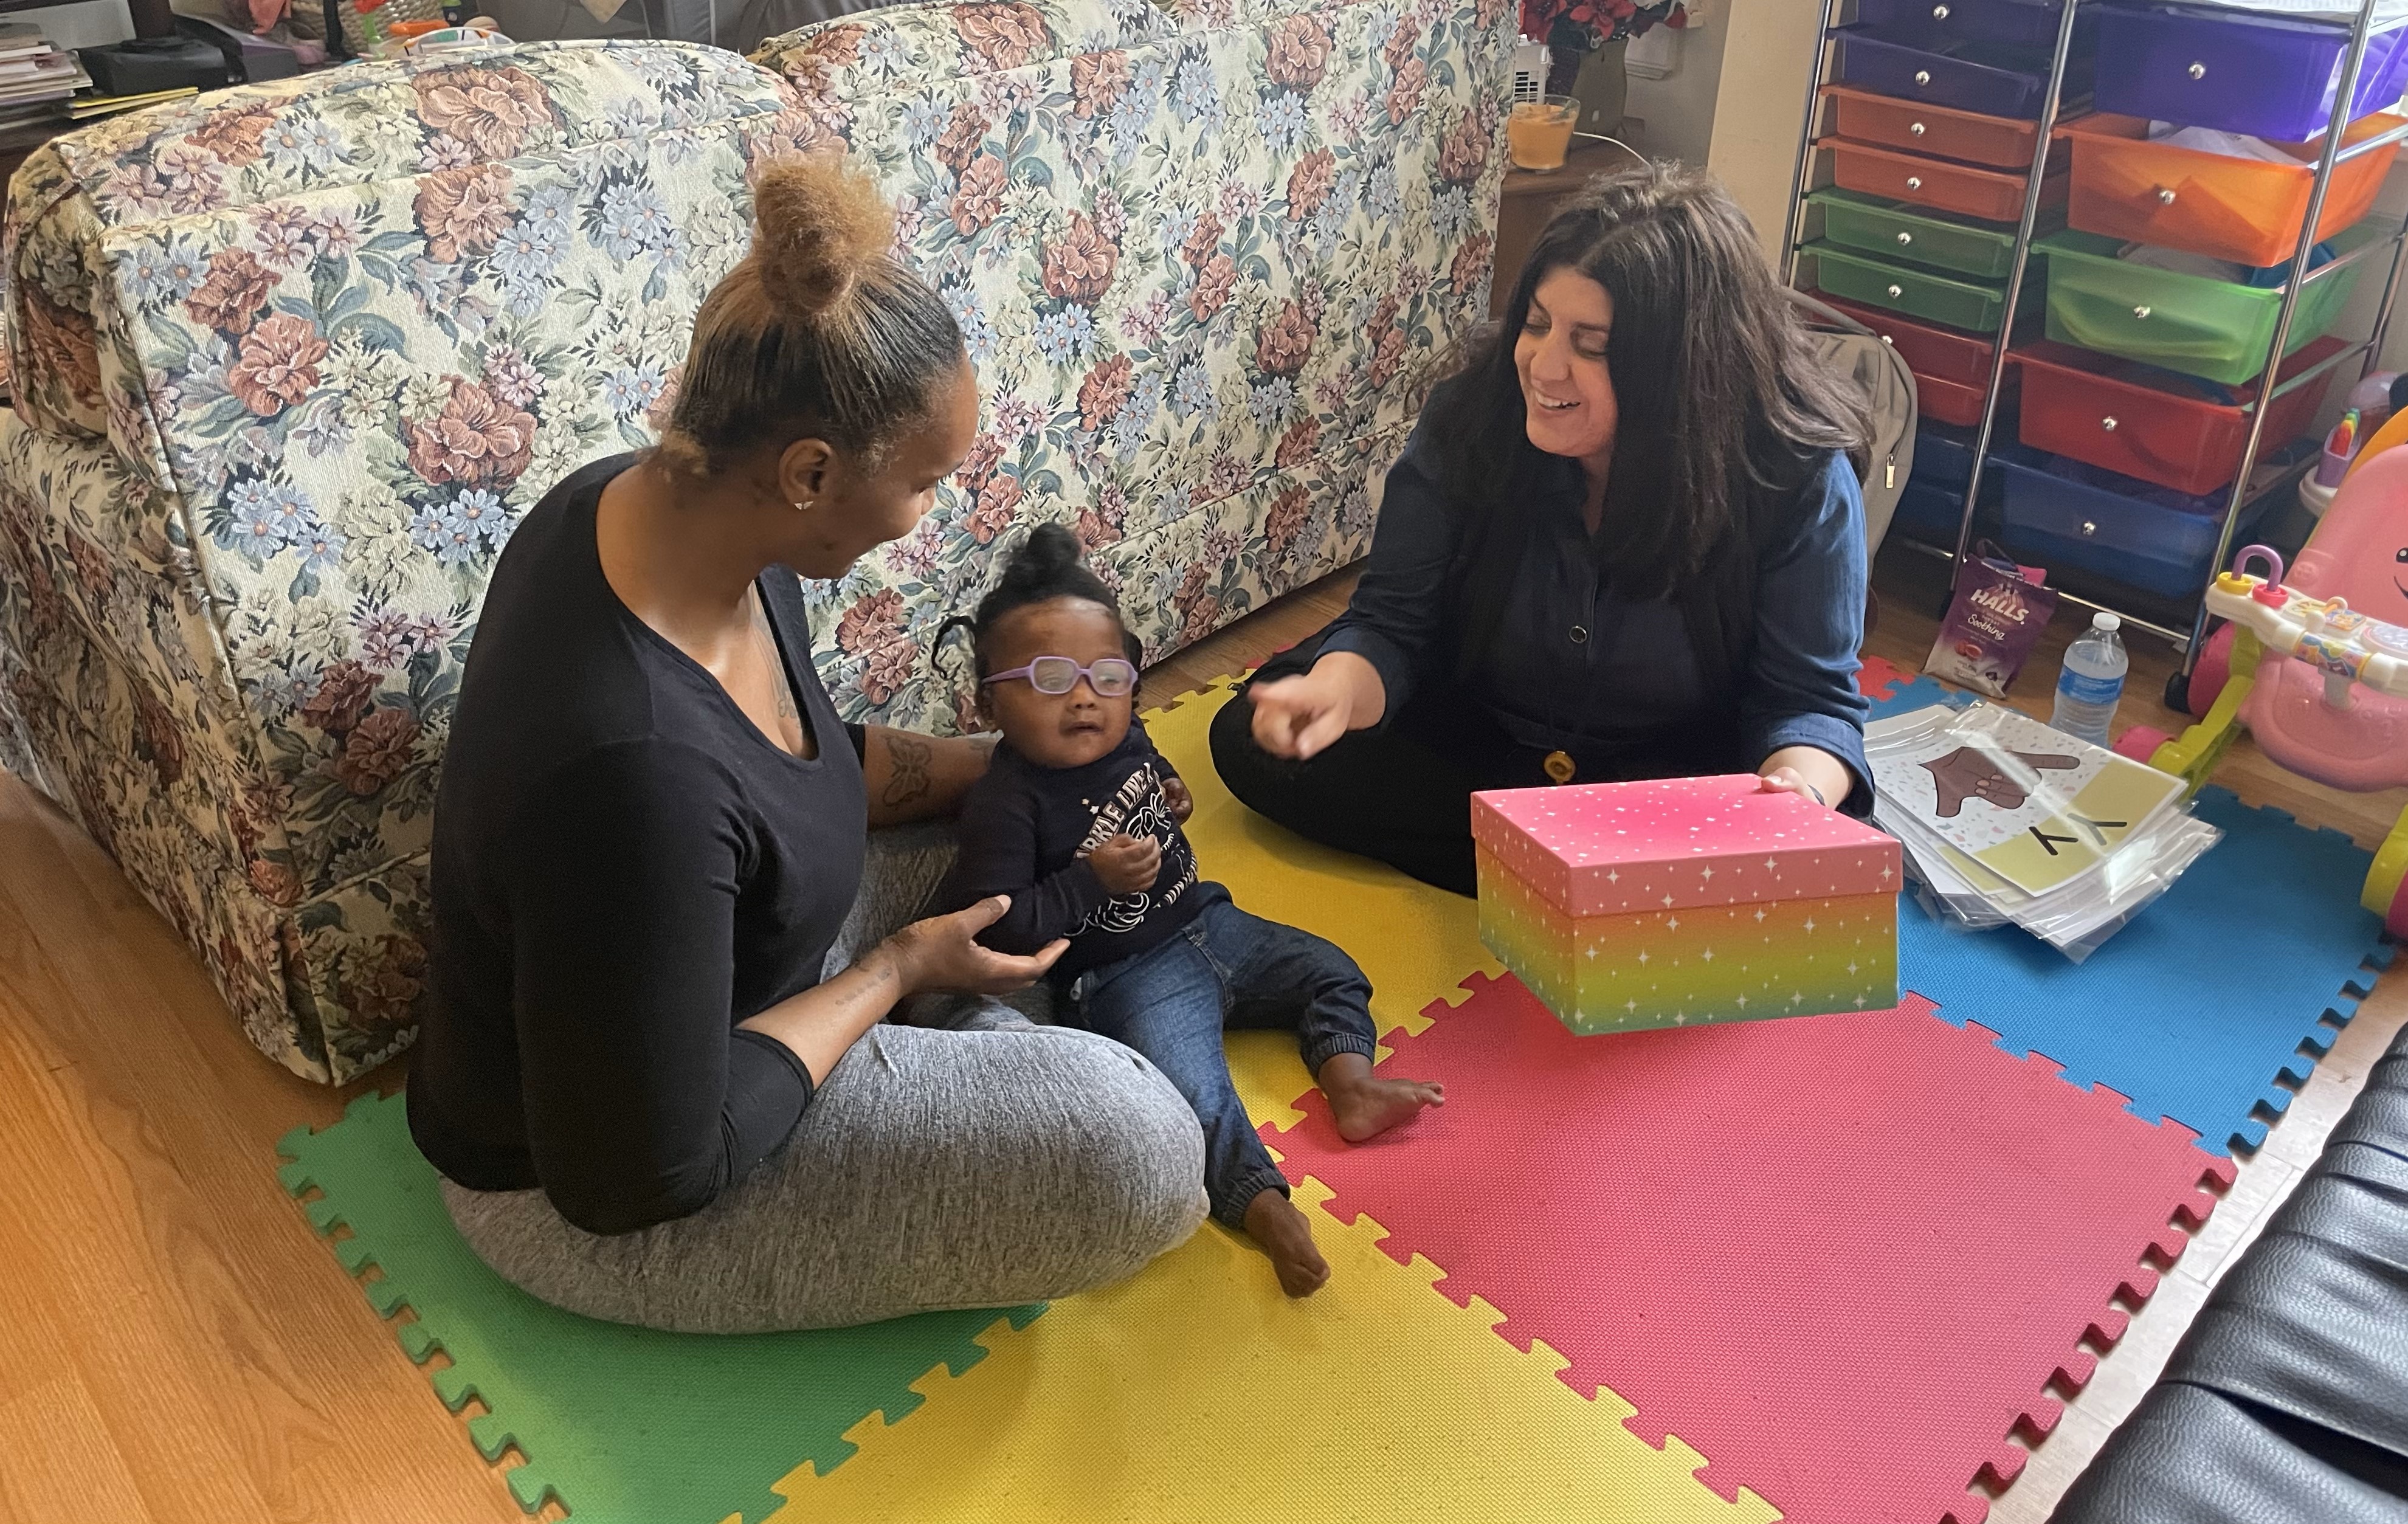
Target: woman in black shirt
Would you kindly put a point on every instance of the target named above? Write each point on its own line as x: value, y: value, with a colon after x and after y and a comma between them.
x: 647, y: 1102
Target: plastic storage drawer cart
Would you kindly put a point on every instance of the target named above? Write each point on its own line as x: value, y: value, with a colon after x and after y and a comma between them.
x: 2165, y: 429
x: 2067, y: 516
x: 1916, y: 127
x: 2199, y: 326
x: 2267, y: 77
x: 2213, y: 204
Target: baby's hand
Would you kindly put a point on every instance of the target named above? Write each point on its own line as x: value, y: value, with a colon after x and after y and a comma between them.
x: 1127, y: 864
x: 1182, y: 803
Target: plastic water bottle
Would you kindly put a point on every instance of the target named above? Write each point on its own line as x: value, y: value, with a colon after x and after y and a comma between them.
x: 2092, y: 681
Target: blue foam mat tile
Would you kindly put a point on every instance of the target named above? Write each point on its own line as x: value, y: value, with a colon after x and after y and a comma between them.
x: 2240, y: 974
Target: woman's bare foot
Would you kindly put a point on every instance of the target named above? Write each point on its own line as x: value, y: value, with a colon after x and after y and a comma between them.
x: 1284, y: 1234
x: 1365, y: 1105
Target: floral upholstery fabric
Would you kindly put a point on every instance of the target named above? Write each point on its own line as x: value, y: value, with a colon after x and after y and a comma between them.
x: 1209, y: 256
x: 291, y: 361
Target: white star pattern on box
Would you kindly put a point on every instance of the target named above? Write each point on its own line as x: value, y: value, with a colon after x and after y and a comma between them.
x: 1810, y: 923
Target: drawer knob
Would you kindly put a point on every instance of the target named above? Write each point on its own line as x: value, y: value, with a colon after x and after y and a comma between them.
x: 1906, y: 237
x: 1923, y: 76
x: 1915, y: 128
x: 2165, y: 196
x: 1896, y: 292
x: 2108, y: 423
x: 2089, y: 528
x: 1914, y: 182
x: 2198, y: 71
x: 2141, y: 313
x: 1939, y: 13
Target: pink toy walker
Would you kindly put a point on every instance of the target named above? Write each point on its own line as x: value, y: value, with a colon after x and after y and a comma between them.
x: 2317, y: 667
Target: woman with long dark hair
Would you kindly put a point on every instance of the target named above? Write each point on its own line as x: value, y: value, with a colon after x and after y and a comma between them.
x: 1625, y: 540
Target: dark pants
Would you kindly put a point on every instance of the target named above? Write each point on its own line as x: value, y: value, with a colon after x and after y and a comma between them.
x: 1402, y: 794
x: 1225, y: 970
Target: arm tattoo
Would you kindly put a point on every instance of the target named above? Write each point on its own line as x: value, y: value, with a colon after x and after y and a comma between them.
x: 907, y: 769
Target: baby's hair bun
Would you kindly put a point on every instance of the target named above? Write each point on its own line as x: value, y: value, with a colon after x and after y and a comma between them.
x: 819, y: 228
x: 1049, y: 550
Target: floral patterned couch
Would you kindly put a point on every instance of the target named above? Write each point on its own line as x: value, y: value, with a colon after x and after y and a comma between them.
x: 291, y: 361
x: 1208, y: 254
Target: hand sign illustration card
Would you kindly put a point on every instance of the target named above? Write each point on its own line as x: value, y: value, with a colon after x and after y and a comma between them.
x: 2031, y: 804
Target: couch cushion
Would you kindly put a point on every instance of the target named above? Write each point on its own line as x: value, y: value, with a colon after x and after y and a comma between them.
x: 1208, y: 256
x: 2191, y: 1456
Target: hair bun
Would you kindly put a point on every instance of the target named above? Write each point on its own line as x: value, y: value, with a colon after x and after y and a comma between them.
x: 819, y: 228
x: 1049, y: 550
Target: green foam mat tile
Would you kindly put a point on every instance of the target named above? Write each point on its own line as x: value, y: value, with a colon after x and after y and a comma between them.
x: 620, y: 1425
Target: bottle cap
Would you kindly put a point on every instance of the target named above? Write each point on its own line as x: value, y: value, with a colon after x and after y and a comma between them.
x: 2106, y: 622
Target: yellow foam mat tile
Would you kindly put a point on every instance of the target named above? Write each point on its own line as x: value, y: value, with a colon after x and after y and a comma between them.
x: 1195, y: 1392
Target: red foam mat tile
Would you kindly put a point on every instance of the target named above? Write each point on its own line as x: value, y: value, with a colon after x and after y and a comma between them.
x: 1841, y: 1256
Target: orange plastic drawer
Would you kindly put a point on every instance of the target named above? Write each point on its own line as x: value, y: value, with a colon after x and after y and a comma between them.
x: 1937, y: 182
x: 2164, y: 428
x: 2000, y: 142
x: 1929, y: 350
x: 2239, y: 210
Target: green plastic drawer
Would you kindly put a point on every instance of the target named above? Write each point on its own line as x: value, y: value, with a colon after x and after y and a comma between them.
x: 2212, y: 329
x: 1894, y: 230
x: 1900, y: 288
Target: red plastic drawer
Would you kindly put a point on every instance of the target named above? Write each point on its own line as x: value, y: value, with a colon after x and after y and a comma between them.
x: 2239, y: 210
x: 1939, y: 182
x: 2000, y: 142
x: 1929, y: 350
x: 2127, y: 417
x: 1948, y: 401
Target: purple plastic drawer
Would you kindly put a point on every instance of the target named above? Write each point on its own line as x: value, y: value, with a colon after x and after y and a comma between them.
x: 1970, y: 76
x: 1925, y: 23
x: 2268, y: 77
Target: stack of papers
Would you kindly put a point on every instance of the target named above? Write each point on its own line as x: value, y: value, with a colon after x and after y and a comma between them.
x: 36, y: 78
x: 2004, y: 820
x: 87, y: 108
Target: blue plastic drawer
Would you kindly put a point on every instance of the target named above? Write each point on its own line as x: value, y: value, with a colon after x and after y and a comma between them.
x: 2269, y: 77
x: 2071, y: 517
x: 1988, y: 77
x: 1943, y: 457
x: 1927, y: 513
x: 1925, y: 23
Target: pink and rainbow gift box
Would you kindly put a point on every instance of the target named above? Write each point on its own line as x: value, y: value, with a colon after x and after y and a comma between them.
x: 1678, y: 900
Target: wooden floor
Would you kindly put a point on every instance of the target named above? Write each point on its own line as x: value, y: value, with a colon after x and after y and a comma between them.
x: 175, y: 1343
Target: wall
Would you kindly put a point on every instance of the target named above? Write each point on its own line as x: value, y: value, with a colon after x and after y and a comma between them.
x: 1680, y: 108
x: 1760, y: 96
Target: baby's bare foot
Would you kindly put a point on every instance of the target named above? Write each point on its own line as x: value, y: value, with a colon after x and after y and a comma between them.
x: 1365, y: 1105
x: 1285, y: 1236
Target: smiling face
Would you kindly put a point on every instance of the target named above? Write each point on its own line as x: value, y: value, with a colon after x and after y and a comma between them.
x: 1567, y: 390
x: 1056, y: 730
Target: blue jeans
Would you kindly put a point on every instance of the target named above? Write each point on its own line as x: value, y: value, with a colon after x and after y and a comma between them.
x: 1227, y: 969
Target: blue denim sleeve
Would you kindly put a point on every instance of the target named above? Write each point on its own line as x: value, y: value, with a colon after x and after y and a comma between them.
x: 1800, y: 687
x: 1393, y: 619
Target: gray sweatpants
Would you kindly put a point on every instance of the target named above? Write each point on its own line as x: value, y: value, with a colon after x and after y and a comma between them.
x: 981, y: 1162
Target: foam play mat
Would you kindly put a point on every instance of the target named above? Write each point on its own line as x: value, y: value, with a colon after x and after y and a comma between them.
x: 1816, y: 1270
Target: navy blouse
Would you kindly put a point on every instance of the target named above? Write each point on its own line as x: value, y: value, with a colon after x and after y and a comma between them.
x: 1579, y: 665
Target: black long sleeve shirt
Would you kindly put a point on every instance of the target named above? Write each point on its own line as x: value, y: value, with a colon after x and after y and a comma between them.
x: 623, y: 868
x: 1024, y: 830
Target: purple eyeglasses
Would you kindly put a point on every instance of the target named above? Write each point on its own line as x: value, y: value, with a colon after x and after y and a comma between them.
x: 1112, y: 678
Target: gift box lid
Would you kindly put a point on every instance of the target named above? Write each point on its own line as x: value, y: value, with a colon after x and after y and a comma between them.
x: 1613, y: 849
